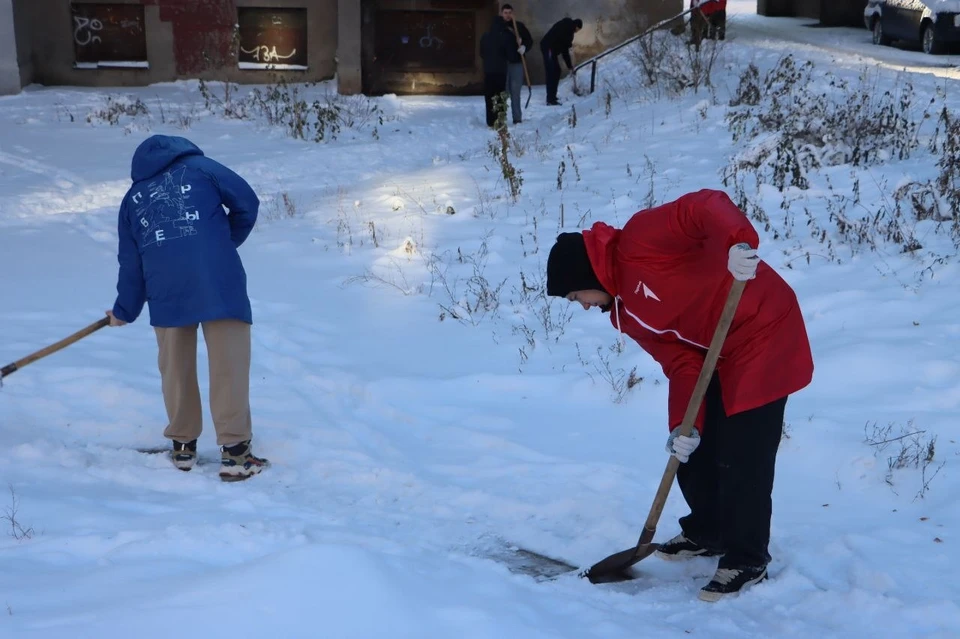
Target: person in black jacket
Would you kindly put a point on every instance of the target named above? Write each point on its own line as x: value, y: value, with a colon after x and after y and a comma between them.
x: 494, y: 45
x: 556, y: 43
x: 522, y: 41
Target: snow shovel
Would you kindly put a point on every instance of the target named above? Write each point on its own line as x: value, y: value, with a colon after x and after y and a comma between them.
x: 523, y: 59
x: 53, y: 348
x: 616, y: 566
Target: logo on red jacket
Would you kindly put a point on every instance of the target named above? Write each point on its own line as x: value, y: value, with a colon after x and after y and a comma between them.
x: 646, y: 291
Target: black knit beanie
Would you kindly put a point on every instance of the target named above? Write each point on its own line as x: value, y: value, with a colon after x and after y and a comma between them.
x: 569, y: 268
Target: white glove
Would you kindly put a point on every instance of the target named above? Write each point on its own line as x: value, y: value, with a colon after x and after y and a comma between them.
x: 682, y: 447
x: 742, y: 262
x: 522, y: 49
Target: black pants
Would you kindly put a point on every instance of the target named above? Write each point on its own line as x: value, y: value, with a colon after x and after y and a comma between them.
x: 728, y: 481
x: 713, y: 26
x: 551, y: 65
x: 493, y: 84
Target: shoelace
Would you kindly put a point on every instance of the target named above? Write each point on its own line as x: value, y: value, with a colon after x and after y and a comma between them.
x: 726, y: 575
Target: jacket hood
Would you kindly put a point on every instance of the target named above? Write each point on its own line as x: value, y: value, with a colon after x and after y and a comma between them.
x: 157, y: 153
x: 601, y: 241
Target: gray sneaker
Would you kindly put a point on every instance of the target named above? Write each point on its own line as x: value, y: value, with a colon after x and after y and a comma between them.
x: 238, y: 462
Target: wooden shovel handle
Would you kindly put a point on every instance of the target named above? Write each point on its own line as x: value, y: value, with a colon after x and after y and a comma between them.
x: 516, y: 34
x: 693, y: 407
x: 53, y: 348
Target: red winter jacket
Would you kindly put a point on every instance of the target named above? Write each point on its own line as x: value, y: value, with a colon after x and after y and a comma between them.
x: 708, y: 7
x: 668, y: 269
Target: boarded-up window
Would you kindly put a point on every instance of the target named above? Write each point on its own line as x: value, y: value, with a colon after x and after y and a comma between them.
x: 109, y: 35
x: 272, y: 38
x: 425, y: 40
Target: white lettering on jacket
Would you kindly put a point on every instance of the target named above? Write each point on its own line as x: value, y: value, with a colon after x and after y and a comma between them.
x: 661, y: 332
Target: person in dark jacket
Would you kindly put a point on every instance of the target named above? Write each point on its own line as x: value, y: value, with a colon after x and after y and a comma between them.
x: 515, y: 68
x: 556, y: 44
x: 493, y: 50
x: 178, y: 254
x: 666, y: 275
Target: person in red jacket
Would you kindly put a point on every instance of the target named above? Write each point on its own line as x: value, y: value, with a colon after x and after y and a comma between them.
x: 708, y: 19
x: 665, y: 278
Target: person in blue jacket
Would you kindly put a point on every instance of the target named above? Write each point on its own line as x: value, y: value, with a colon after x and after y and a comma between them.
x: 178, y: 254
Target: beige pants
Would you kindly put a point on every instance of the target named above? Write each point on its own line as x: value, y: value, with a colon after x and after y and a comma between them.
x: 228, y: 350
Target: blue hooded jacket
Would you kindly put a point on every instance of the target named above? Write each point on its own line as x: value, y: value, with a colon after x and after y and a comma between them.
x: 177, y: 245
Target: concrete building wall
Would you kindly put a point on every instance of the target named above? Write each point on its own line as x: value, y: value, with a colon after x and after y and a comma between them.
x: 605, y: 23
x: 349, y: 47
x: 775, y: 8
x: 423, y: 46
x: 828, y: 13
x: 60, y: 42
x: 24, y: 54
x: 9, y: 67
x: 807, y: 8
x: 847, y: 13
x: 184, y: 39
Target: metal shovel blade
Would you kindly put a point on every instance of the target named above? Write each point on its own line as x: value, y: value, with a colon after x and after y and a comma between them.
x: 617, y: 566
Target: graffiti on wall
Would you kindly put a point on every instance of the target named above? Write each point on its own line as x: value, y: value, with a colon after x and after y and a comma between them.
x: 85, y: 31
x: 108, y: 33
x: 425, y: 39
x: 272, y: 37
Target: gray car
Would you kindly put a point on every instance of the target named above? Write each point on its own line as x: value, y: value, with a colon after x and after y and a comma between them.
x: 934, y: 24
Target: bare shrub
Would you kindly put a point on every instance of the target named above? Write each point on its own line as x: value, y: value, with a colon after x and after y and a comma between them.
x: 669, y: 66
x: 905, y: 447
x: 500, y: 149
x: 394, y: 276
x: 620, y: 381
x: 317, y: 119
x: 538, y: 317
x: 221, y: 99
x: 281, y: 206
x: 469, y: 298
x: 486, y: 206
x: 794, y: 127
x: 938, y: 199
x: 17, y: 531
x: 115, y: 108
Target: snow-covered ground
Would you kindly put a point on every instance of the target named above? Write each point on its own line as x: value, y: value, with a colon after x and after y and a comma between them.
x: 408, y: 446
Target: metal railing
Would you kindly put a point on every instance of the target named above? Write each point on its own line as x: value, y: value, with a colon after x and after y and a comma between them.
x: 593, y: 61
